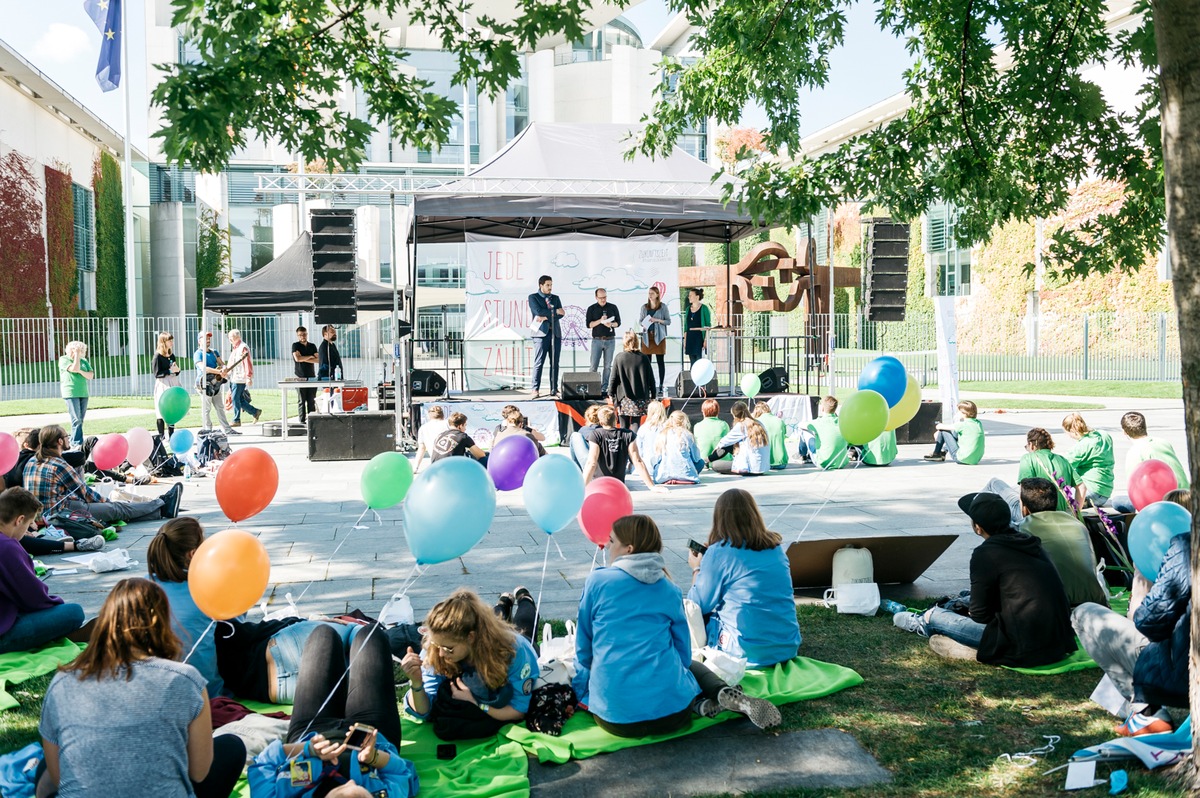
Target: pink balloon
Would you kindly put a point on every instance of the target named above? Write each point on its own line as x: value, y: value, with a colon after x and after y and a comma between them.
x: 605, y: 499
x: 1149, y: 482
x: 110, y: 451
x: 141, y: 444
x: 9, y: 449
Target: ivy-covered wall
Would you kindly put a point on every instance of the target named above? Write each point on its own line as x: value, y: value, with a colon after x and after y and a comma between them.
x: 22, y: 252
x: 110, y: 236
x: 60, y: 243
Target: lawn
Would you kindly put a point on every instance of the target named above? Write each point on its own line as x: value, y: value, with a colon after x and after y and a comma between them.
x: 939, y: 726
x: 1034, y: 404
x: 265, y: 400
x: 1106, y: 388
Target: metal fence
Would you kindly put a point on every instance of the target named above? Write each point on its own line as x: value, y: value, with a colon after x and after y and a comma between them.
x: 1135, y: 347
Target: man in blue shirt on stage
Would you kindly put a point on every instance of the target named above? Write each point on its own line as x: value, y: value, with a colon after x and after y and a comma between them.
x: 546, y: 309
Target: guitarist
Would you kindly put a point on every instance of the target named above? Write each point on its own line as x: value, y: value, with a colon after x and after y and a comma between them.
x: 209, y: 363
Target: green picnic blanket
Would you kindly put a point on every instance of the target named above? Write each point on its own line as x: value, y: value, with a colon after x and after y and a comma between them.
x: 495, y: 767
x: 22, y: 665
x: 795, y: 680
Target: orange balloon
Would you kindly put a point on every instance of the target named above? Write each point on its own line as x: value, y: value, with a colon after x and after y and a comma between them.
x: 228, y: 574
x: 246, y: 483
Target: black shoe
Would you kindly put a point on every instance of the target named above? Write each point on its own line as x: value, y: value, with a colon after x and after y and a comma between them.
x: 504, y: 607
x: 232, y: 431
x: 171, y: 499
x: 937, y: 458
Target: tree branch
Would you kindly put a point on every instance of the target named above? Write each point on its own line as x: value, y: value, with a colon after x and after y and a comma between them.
x: 775, y: 24
x: 962, y: 84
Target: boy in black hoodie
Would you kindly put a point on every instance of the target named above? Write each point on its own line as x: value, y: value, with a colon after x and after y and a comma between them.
x: 1020, y: 615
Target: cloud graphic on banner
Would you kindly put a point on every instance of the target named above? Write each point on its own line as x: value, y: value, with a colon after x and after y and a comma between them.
x: 612, y: 278
x: 565, y: 260
x: 477, y: 285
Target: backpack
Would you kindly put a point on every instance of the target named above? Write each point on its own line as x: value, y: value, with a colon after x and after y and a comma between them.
x: 162, y: 462
x: 213, y: 446
x: 852, y: 565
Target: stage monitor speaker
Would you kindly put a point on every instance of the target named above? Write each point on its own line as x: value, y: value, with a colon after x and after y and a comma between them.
x: 350, y: 436
x: 581, y: 385
x: 885, y: 276
x: 774, y: 380
x: 684, y: 387
x: 427, y: 383
x: 335, y: 287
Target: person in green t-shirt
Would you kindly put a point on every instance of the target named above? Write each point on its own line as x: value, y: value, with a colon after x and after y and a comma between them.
x: 1040, y: 460
x: 827, y: 445
x: 709, y: 431
x: 74, y: 371
x: 776, y: 432
x: 881, y: 451
x: 1092, y: 457
x: 962, y: 440
x: 1147, y: 448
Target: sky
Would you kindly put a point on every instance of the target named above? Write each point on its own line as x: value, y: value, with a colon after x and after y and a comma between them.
x: 59, y: 39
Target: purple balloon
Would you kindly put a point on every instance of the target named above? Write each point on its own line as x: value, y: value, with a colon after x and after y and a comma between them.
x: 510, y: 459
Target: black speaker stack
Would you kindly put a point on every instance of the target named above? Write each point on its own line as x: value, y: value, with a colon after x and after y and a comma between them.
x: 350, y: 436
x: 335, y: 288
x: 581, y: 385
x: 885, y: 272
x: 427, y: 383
x: 684, y: 386
x: 774, y: 380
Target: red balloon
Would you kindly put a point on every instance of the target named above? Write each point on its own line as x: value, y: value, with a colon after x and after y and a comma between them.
x: 1149, y: 482
x: 246, y: 483
x: 605, y: 499
x: 109, y: 451
x: 10, y: 450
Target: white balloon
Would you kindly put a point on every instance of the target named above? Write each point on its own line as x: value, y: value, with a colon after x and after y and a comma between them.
x: 703, y: 371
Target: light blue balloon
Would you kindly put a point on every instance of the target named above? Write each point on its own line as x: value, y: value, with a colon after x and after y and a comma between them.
x: 553, y: 492
x: 887, y: 377
x: 1151, y: 532
x: 449, y: 509
x: 182, y: 440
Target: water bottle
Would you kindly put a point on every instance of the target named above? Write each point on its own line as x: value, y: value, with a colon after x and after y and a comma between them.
x: 892, y: 607
x: 337, y: 372
x: 187, y: 472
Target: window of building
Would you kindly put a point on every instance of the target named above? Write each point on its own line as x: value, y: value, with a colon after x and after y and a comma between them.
x: 85, y: 245
x: 598, y: 44
x: 951, y: 264
x: 441, y: 265
x: 440, y: 330
x: 438, y: 67
x: 516, y: 105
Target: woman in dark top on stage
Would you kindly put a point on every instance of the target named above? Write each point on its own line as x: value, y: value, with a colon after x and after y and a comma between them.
x: 166, y: 375
x: 631, y: 384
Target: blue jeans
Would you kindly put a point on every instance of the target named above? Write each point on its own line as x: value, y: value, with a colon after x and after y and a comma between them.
x: 539, y: 358
x: 76, y: 409
x: 947, y: 442
x: 603, y: 348
x: 36, y: 629
x: 286, y: 649
x: 240, y: 403
x: 958, y: 628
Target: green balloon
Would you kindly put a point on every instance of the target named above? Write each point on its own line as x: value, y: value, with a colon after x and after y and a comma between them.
x: 173, y: 404
x: 862, y: 417
x: 751, y: 385
x: 386, y: 480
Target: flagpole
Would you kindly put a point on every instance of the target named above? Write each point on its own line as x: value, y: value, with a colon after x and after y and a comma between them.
x: 127, y: 175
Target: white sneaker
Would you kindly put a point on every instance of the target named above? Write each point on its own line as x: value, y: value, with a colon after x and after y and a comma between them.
x: 90, y: 544
x: 952, y: 649
x: 910, y: 622
x: 762, y: 713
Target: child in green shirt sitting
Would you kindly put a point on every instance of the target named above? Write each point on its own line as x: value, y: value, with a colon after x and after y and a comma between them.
x: 1146, y: 448
x: 963, y: 440
x: 829, y: 447
x: 709, y: 431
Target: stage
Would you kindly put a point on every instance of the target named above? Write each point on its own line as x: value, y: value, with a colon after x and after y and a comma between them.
x: 558, y: 418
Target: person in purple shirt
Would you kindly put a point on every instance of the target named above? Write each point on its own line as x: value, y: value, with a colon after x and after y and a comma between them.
x: 29, y: 616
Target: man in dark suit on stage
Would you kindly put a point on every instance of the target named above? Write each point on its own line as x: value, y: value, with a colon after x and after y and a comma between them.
x: 546, y: 309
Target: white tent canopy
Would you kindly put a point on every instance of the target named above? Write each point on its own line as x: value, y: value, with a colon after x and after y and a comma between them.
x: 559, y: 178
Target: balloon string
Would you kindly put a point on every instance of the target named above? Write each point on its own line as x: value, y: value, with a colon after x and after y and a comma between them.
x: 595, y: 554
x: 545, y: 563
x: 693, y: 393
x: 330, y: 560
x: 829, y: 496
x: 561, y: 556
x: 211, y: 624
x: 364, y: 515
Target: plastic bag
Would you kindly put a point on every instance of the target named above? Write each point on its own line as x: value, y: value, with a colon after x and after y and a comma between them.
x: 115, y: 560
x: 557, y: 657
x: 861, y: 598
x: 731, y: 669
x: 288, y: 610
x: 695, y: 621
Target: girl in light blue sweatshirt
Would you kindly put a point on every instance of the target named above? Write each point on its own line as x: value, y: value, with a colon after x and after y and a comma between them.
x: 633, y: 652
x: 743, y: 585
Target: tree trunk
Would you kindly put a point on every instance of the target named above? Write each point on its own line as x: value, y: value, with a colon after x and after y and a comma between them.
x: 1177, y: 32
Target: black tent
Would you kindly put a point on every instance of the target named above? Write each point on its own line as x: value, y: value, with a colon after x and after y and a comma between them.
x: 284, y: 285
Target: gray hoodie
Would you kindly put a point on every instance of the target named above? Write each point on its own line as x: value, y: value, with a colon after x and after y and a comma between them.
x: 647, y: 567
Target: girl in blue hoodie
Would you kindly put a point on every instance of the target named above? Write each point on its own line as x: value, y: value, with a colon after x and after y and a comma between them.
x: 633, y: 653
x: 743, y: 585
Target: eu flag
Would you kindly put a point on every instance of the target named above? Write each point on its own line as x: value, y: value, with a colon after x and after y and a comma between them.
x: 107, y: 16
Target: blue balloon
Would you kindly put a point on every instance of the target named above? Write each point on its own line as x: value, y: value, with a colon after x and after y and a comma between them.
x: 887, y: 377
x: 553, y: 492
x: 182, y: 440
x: 1151, y: 532
x: 449, y: 509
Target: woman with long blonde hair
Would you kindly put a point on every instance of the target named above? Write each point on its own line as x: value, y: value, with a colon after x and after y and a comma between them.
x: 633, y: 650
x: 166, y: 375
x: 651, y: 425
x: 475, y: 672
x: 743, y: 585
x: 750, y: 444
x: 129, y: 685
x: 675, y: 458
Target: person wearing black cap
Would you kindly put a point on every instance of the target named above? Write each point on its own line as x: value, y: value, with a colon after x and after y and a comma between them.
x: 1020, y: 616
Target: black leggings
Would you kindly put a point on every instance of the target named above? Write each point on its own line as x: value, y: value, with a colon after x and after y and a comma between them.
x: 521, y: 614
x: 630, y: 423
x: 662, y: 371
x: 38, y: 547
x: 710, y: 686
x: 366, y: 695
x: 158, y: 422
